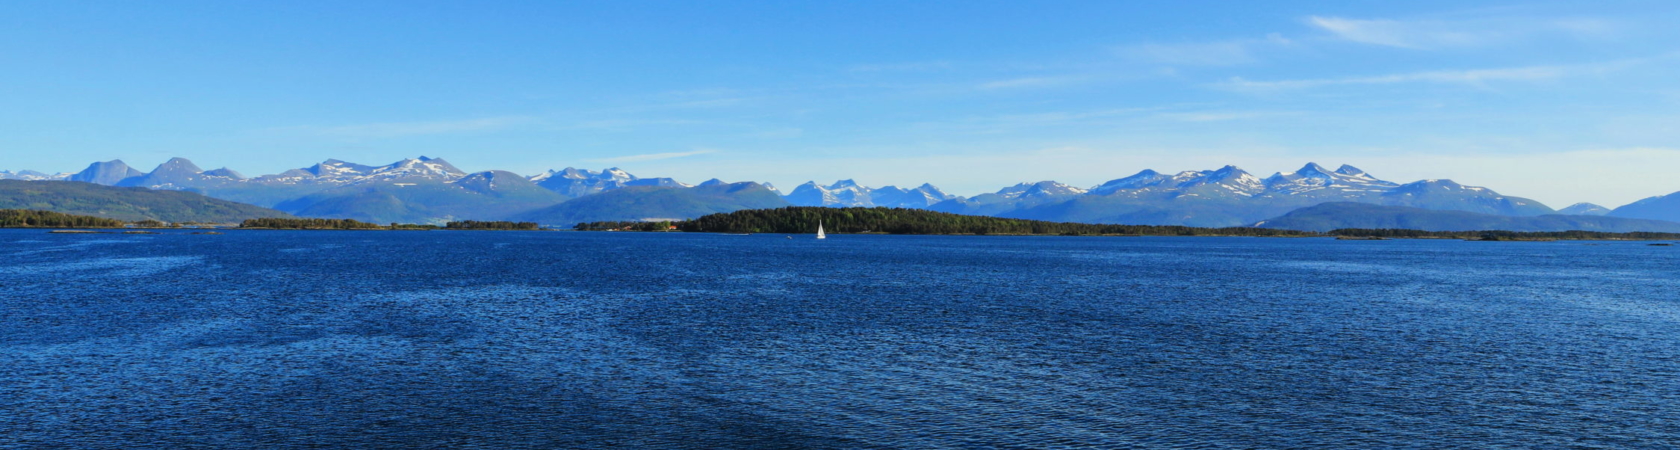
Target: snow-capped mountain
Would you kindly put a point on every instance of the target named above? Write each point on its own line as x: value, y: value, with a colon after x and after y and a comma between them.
x: 1226, y: 181
x: 181, y: 174
x: 1230, y: 196
x: 659, y: 182
x: 1584, y: 209
x: 432, y: 189
x: 1314, y: 177
x: 1022, y: 195
x: 1234, y: 180
x: 841, y: 193
x: 1042, y: 189
x: 917, y: 197
x: 30, y: 175
x: 573, y: 182
x: 849, y: 193
x: 335, y: 172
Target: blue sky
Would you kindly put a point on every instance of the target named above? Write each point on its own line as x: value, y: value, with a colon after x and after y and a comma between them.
x: 1557, y: 101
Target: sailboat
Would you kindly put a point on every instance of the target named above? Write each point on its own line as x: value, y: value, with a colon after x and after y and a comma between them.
x: 820, y: 234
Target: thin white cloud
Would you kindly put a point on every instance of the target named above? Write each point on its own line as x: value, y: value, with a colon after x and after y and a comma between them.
x: 1223, y: 116
x: 1029, y: 82
x: 919, y: 66
x: 1474, y: 76
x: 627, y: 124
x: 1438, y: 34
x: 651, y: 156
x: 1217, y: 53
x: 778, y: 133
x: 1466, y: 77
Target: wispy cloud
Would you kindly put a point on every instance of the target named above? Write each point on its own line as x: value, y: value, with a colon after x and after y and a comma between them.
x: 651, y: 156
x: 1475, y: 76
x: 1030, y: 82
x: 778, y: 133
x: 1223, y: 116
x: 1437, y: 34
x: 622, y: 125
x: 403, y: 129
x: 1217, y: 53
x: 918, y: 66
x: 1467, y: 77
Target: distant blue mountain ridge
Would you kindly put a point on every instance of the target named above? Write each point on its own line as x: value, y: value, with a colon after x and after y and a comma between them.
x: 431, y: 190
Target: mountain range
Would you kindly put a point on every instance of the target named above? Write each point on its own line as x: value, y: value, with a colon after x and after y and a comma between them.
x: 431, y: 190
x: 1340, y: 215
x: 1230, y: 196
x: 124, y: 203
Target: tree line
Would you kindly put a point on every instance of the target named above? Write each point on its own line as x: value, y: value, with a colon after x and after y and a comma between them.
x: 29, y: 218
x: 310, y: 224
x: 352, y: 224
x: 491, y: 225
x: 804, y: 219
x: 624, y: 226
x: 1501, y: 235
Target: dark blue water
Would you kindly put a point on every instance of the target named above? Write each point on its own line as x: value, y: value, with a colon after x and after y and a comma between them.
x: 561, y: 340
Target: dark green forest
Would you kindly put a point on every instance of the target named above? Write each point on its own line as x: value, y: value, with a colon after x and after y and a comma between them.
x: 23, y: 218
x: 353, y: 224
x: 801, y: 219
x: 625, y: 226
x: 311, y: 224
x: 495, y: 225
x: 1498, y: 235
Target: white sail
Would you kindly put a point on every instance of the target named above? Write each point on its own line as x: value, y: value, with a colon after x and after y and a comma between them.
x: 820, y: 234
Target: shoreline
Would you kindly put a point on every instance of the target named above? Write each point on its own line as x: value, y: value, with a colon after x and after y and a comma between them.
x: 1654, y: 241
x: 1318, y: 236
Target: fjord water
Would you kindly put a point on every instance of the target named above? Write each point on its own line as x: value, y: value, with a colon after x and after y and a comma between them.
x: 274, y: 339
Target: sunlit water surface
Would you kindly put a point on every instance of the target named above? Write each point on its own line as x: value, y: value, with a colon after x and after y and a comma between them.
x: 562, y: 340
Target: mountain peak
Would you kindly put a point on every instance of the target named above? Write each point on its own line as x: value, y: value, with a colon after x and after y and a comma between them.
x: 1313, y: 167
x: 1144, y: 178
x: 617, y: 173
x: 108, y: 173
x: 1584, y: 209
x: 1229, y: 172
x: 224, y: 172
x: 1350, y: 171
x: 179, y: 163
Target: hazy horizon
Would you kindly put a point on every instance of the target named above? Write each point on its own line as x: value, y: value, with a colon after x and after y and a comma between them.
x: 1555, y: 101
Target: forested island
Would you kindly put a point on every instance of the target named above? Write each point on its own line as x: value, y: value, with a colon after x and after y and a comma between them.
x: 802, y: 219
x: 352, y: 224
x: 490, y: 225
x: 1500, y: 235
x: 26, y: 218
x: 799, y: 220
